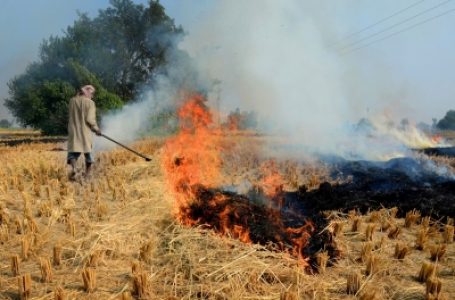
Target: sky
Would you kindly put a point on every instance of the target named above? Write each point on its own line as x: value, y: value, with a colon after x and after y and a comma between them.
x: 409, y: 75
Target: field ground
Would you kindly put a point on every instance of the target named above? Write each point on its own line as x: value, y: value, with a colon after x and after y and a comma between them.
x: 19, y: 132
x: 114, y: 237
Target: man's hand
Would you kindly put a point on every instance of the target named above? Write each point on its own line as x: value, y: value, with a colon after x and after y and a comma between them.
x: 97, y: 132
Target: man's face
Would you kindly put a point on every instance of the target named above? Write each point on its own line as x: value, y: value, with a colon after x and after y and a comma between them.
x: 88, y: 91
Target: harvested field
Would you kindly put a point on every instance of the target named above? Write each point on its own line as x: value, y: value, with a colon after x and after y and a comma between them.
x: 115, y: 237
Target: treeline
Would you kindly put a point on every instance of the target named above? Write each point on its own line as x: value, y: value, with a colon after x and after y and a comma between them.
x: 448, y: 122
x: 118, y: 51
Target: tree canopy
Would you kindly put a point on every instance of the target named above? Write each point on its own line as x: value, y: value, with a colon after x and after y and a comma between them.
x: 448, y: 122
x: 118, y: 51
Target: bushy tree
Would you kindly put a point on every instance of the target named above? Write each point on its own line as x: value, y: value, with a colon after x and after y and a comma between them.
x: 118, y: 51
x: 4, y: 123
x: 123, y: 46
x: 448, y: 122
x: 241, y: 120
x: 39, y: 98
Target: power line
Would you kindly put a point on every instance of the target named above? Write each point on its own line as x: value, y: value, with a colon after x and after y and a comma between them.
x: 377, y: 23
x: 400, y: 31
x: 394, y: 25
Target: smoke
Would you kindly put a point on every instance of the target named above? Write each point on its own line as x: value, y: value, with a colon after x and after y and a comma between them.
x: 275, y: 58
x: 161, y: 95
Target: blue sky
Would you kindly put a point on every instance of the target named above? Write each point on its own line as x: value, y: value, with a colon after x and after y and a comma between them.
x: 25, y: 23
x: 416, y: 66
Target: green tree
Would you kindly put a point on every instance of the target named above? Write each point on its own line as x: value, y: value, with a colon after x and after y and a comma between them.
x: 241, y: 120
x: 448, y: 122
x: 123, y: 46
x: 39, y: 98
x: 118, y: 51
x: 4, y: 123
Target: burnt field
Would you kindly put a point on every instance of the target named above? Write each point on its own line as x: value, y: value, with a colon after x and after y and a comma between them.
x: 310, y: 229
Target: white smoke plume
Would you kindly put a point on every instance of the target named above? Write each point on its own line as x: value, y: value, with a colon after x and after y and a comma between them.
x: 273, y: 57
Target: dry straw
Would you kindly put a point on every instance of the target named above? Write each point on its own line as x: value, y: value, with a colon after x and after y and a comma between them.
x: 433, y: 287
x: 372, y: 264
x: 136, y: 267
x: 72, y: 229
x: 146, y: 251
x: 356, y: 224
x: 15, y: 265
x: 89, y: 278
x: 4, y: 233
x: 422, y: 238
x: 393, y: 212
x: 365, y: 251
x: 369, y: 232
x: 46, y: 269
x: 126, y: 296
x: 426, y: 271
x: 18, y: 224
x: 25, y: 247
x: 448, y: 234
x: 426, y: 222
x: 401, y: 249
x: 371, y: 293
x: 4, y: 217
x: 375, y: 216
x: 338, y: 229
x: 59, y: 294
x: 322, y: 258
x: 142, y: 286
x: 95, y: 258
x: 353, y: 283
x: 437, y: 252
x: 411, y: 218
x: 57, y: 257
x: 379, y: 245
x: 25, y: 286
x: 394, y: 232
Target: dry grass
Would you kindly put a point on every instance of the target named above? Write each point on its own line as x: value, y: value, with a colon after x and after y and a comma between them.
x: 114, y: 238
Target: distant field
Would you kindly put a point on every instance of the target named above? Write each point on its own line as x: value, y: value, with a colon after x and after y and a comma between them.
x: 15, y: 136
x: 19, y: 131
x: 115, y: 236
x: 449, y: 135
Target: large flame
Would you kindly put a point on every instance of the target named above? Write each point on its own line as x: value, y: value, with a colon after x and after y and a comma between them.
x: 193, y: 156
x: 192, y: 162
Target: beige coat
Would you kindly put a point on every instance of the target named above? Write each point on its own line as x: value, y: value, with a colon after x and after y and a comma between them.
x: 82, y: 121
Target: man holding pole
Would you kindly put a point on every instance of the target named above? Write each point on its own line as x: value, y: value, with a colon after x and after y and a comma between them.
x: 81, y: 124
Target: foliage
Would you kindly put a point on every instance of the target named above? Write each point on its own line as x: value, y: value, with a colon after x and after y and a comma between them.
x: 241, y: 120
x: 448, y: 122
x: 117, y: 52
x: 163, y: 123
x: 123, y: 46
x: 40, y: 96
x: 4, y: 123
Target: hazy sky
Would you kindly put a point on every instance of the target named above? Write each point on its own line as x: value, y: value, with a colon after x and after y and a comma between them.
x: 411, y: 73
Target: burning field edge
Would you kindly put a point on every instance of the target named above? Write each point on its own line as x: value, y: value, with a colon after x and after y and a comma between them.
x: 213, y: 217
x: 114, y: 237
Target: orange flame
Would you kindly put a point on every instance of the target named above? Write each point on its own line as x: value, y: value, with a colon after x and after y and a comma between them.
x: 192, y: 165
x: 272, y: 182
x: 192, y: 157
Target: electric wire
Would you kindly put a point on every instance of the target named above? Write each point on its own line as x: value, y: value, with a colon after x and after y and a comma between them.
x: 400, y: 31
x: 393, y: 26
x: 377, y: 23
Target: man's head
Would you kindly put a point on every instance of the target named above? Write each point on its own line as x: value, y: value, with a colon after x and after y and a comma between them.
x: 88, y: 91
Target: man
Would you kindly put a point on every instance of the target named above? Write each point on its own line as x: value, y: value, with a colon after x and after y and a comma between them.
x: 81, y: 124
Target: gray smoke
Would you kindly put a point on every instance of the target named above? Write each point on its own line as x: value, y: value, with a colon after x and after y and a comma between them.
x: 275, y: 58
